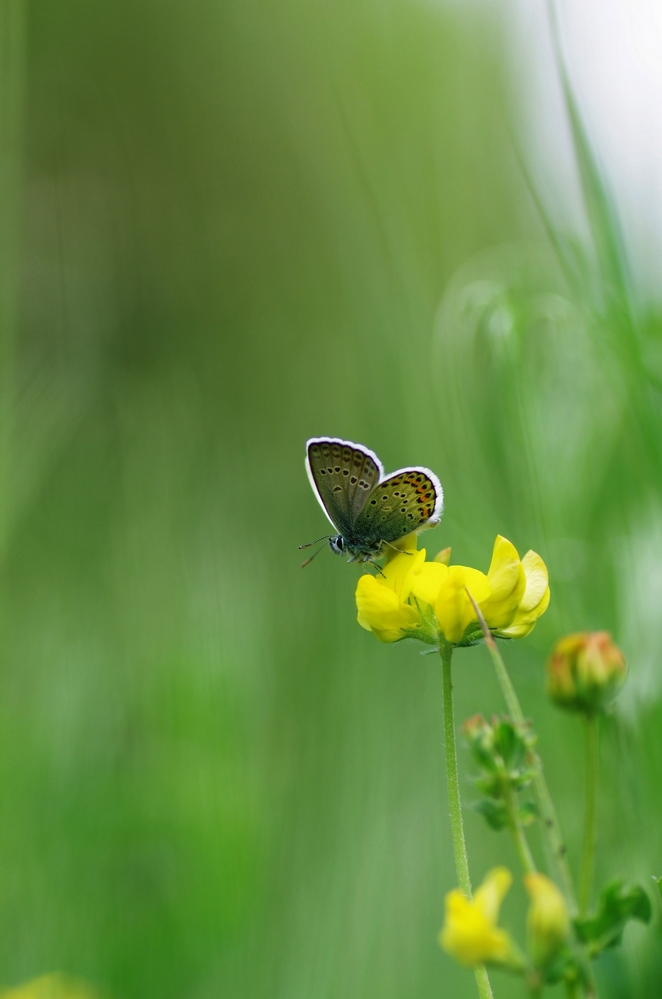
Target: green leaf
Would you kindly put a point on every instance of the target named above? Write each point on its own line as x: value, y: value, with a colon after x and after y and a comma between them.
x: 494, y: 813
x: 617, y: 906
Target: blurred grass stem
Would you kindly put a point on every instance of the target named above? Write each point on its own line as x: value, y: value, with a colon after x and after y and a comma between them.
x: 454, y: 802
x: 12, y: 36
x: 588, y: 851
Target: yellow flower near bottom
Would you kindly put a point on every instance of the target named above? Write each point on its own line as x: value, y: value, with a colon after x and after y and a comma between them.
x: 547, y: 920
x: 55, y: 985
x: 470, y: 933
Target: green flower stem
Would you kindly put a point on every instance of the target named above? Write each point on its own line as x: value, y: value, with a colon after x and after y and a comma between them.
x: 483, y: 982
x: 452, y: 779
x: 517, y: 831
x: 588, y: 851
x: 454, y: 803
x: 550, y: 825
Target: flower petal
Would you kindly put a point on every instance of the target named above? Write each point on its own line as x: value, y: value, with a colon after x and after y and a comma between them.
x: 547, y: 919
x: 535, y: 599
x: 491, y: 893
x: 453, y: 607
x: 381, y: 611
x: 397, y: 574
x: 427, y: 581
x: 537, y: 580
x: 470, y: 933
x: 507, y: 581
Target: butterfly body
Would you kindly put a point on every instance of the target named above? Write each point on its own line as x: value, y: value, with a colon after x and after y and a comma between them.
x: 369, y: 511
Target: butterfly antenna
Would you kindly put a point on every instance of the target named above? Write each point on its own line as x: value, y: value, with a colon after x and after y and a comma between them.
x: 311, y: 543
x: 309, y: 560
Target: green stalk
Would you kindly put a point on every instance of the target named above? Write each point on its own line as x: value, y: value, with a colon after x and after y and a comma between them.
x: 517, y: 832
x: 588, y: 851
x: 550, y: 825
x: 454, y: 803
x: 549, y: 822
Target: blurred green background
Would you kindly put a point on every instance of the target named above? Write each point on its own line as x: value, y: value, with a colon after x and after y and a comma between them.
x: 226, y: 227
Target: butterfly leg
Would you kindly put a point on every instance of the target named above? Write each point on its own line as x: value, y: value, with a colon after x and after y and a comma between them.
x: 400, y: 551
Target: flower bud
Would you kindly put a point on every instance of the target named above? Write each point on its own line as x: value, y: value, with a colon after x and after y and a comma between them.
x: 547, y: 919
x: 476, y: 728
x: 444, y: 556
x: 585, y: 671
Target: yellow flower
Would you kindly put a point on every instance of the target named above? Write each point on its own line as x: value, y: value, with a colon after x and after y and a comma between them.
x: 430, y: 600
x: 507, y: 584
x: 453, y: 608
x: 470, y: 932
x: 535, y: 599
x: 547, y: 919
x: 383, y: 601
x: 53, y: 986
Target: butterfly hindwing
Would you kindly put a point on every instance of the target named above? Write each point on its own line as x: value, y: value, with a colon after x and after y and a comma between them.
x: 404, y: 502
x: 343, y: 475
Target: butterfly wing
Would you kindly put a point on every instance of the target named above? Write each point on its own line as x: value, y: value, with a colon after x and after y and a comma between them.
x: 342, y: 475
x: 408, y: 500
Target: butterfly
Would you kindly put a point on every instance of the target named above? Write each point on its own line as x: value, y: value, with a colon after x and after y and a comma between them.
x: 369, y: 511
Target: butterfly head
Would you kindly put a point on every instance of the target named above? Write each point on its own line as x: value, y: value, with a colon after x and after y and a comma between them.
x: 337, y: 545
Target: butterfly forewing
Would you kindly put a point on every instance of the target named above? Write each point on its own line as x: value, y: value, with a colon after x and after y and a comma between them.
x: 402, y: 503
x: 344, y: 476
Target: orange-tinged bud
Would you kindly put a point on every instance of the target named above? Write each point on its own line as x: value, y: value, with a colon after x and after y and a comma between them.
x: 585, y: 671
x: 475, y: 727
x: 444, y: 556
